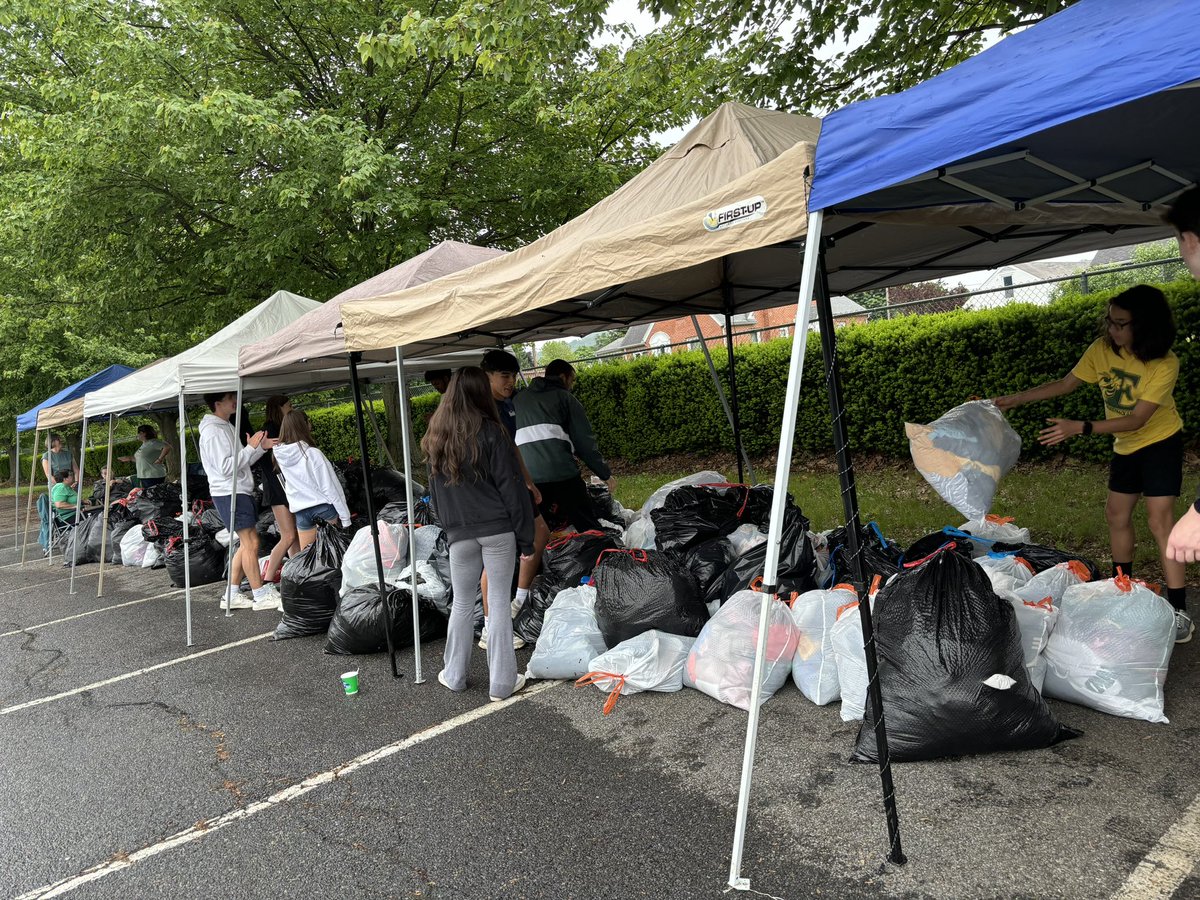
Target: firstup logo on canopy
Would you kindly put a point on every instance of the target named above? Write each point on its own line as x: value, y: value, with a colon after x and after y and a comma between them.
x: 735, y: 214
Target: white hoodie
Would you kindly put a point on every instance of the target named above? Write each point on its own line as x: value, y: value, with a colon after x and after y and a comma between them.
x: 217, y: 441
x: 309, y: 479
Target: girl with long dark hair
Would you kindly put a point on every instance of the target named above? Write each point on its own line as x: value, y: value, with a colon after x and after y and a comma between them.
x: 482, y: 503
x: 274, y: 495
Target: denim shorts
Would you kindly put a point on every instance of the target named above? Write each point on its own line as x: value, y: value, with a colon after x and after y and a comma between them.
x: 306, y: 519
x: 247, y: 513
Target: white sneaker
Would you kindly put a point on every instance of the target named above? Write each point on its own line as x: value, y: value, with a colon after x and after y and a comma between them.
x: 516, y: 607
x: 269, y: 600
x: 1184, y: 627
x: 483, y: 638
x: 239, y: 600
x: 517, y: 688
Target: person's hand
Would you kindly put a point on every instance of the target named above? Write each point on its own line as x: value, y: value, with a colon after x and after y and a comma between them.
x: 125, y: 458
x: 537, y: 495
x: 1184, y: 543
x: 611, y: 484
x: 1059, y: 430
x: 1007, y: 402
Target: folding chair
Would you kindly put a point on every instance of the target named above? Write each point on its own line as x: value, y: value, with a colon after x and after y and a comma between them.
x: 59, y: 531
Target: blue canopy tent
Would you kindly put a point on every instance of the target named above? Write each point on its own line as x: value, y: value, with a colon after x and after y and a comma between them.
x: 1069, y: 136
x: 28, y: 421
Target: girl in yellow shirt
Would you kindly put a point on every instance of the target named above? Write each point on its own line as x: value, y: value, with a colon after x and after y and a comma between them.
x: 1132, y: 364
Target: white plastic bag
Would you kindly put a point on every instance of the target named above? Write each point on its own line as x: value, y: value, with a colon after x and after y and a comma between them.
x: 847, y: 639
x: 1036, y: 619
x: 651, y: 661
x: 814, y: 667
x: 358, y: 563
x: 1111, y: 647
x: 820, y: 544
x: 152, y: 557
x: 745, y: 537
x: 721, y: 662
x: 964, y: 453
x: 1017, y: 570
x: 1053, y: 582
x: 640, y: 533
x: 993, y: 529
x: 133, y: 547
x: 570, y: 637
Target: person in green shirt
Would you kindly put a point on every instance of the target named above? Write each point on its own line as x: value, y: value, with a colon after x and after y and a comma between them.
x: 149, y: 457
x: 63, y: 496
x: 57, y: 459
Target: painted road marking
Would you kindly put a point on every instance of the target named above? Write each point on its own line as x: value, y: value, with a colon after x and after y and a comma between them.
x: 90, y: 612
x: 1169, y: 863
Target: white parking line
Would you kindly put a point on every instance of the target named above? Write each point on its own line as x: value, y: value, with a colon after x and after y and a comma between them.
x: 90, y: 612
x: 202, y: 828
x: 99, y: 684
x: 1169, y: 863
x: 41, y: 584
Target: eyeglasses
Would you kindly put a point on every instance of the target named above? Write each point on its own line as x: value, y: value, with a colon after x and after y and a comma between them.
x: 1118, y: 325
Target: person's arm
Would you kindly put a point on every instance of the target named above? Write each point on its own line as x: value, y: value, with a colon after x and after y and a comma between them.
x: 1061, y: 429
x: 506, y: 474
x: 580, y: 431
x: 1050, y: 389
x: 1184, y: 543
x: 46, y: 469
x: 166, y: 448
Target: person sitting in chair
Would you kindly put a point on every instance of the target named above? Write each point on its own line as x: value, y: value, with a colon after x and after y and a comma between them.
x: 64, y: 497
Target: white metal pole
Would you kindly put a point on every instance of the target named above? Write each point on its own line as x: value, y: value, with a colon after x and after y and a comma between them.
x: 233, y: 541
x: 29, y: 501
x: 78, y: 501
x: 783, y: 467
x: 107, y: 501
x: 406, y: 432
x: 17, y: 484
x: 187, y: 569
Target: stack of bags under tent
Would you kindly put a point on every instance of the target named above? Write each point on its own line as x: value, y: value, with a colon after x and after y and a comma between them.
x: 567, y: 562
x: 310, y: 584
x: 358, y: 625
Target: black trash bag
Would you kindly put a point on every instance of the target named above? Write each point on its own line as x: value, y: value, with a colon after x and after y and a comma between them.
x: 637, y: 590
x: 529, y: 621
x: 268, y: 531
x: 206, y: 560
x: 116, y: 531
x: 797, y: 561
x: 118, y: 491
x: 941, y: 633
x: 423, y: 513
x: 604, y: 505
x: 357, y: 626
x: 880, y: 556
x: 395, y: 513
x: 208, y: 518
x: 708, y: 563
x: 1042, y: 558
x: 693, y: 514
x: 934, y: 541
x: 310, y: 584
x: 440, y: 560
x: 83, y: 542
x: 569, y: 561
x: 161, y: 529
x: 156, y: 502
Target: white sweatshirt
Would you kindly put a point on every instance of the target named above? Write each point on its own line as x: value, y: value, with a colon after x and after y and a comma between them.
x: 217, y: 441
x: 309, y: 479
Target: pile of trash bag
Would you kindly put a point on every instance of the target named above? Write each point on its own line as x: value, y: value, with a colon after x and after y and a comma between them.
x: 640, y: 533
x: 205, y: 560
x: 311, y: 582
x: 643, y: 590
x: 155, y: 502
x: 815, y: 665
x: 650, y: 661
x: 358, y: 626
x: 880, y: 556
x: 566, y: 563
x: 695, y: 513
x: 84, y: 542
x: 797, y: 561
x: 951, y: 668
x: 570, y: 636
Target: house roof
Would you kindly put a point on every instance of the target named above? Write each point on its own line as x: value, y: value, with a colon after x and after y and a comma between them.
x: 634, y: 337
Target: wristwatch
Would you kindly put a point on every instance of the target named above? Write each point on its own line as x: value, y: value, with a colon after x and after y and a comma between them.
x: 1087, y: 428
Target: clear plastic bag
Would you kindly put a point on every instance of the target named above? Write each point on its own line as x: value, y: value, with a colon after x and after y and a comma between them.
x: 570, y: 638
x: 846, y: 638
x: 1036, y: 619
x: 1017, y: 571
x: 995, y: 528
x: 358, y: 565
x: 814, y: 665
x: 133, y: 548
x: 1053, y: 582
x: 651, y: 661
x: 721, y: 662
x: 1111, y: 647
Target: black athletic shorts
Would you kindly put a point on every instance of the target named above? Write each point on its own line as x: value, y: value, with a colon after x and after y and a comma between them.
x: 566, y: 503
x: 1155, y: 470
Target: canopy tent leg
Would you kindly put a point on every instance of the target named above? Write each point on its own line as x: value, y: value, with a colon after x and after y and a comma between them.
x: 406, y: 435
x: 237, y: 442
x: 735, y: 416
x: 29, y: 503
x: 183, y: 486
x: 78, y: 503
x: 841, y: 443
x: 16, y: 467
x: 379, y: 441
x: 712, y: 370
x: 366, y: 467
x: 107, y: 501
x: 783, y: 466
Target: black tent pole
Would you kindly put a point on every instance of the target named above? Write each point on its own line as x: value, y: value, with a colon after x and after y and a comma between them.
x: 366, y: 470
x: 727, y: 299
x: 841, y: 443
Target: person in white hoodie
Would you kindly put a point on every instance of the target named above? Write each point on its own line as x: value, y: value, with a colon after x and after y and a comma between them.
x: 232, y: 486
x: 309, y: 480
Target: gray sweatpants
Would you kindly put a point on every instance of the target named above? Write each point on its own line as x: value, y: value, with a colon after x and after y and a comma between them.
x: 468, y: 558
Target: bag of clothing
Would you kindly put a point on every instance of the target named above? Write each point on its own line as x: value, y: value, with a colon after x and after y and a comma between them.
x: 1053, y: 582
x: 358, y: 564
x: 1111, y: 648
x: 206, y: 560
x: 708, y: 563
x: 207, y: 517
x: 84, y: 542
x: 358, y: 625
x: 570, y: 637
x: 964, y: 453
x: 814, y: 666
x: 161, y: 529
x: 1036, y: 621
x: 721, y: 661
x: 133, y: 546
x: 530, y: 619
x: 116, y: 534
x: 846, y: 639
x: 641, y: 590
x: 695, y: 513
x: 797, y: 562
x: 880, y: 556
x: 640, y: 533
x: 1006, y: 571
x: 951, y: 668
x: 605, y: 506
x: 155, y: 502
x: 310, y: 584
x: 991, y: 529
x: 651, y: 661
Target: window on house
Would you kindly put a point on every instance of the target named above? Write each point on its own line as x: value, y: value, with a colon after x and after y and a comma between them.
x: 1008, y: 287
x: 660, y: 344
x: 784, y: 331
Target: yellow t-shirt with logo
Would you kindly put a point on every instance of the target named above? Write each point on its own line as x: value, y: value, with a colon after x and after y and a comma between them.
x: 1124, y: 380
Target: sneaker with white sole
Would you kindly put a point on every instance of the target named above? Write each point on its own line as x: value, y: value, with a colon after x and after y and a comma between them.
x: 516, y: 606
x: 1184, y: 626
x: 238, y: 601
x: 518, y: 641
x: 483, y: 638
x: 517, y: 688
x: 269, y: 600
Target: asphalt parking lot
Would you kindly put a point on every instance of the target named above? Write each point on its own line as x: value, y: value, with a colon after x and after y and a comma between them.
x: 135, y: 766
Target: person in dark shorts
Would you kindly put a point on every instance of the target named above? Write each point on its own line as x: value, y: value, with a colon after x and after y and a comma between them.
x: 1132, y: 364
x: 273, y: 494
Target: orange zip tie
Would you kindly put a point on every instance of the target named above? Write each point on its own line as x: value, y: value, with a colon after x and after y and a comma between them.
x: 998, y: 520
x: 595, y: 677
x: 1026, y: 563
x: 1044, y: 603
x: 1079, y: 570
x: 843, y: 608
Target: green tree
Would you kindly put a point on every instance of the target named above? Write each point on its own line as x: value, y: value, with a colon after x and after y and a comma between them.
x: 1112, y: 276
x: 554, y: 350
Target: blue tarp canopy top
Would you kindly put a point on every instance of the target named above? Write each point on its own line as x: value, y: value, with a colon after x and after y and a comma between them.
x: 27, y: 421
x: 1069, y: 136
